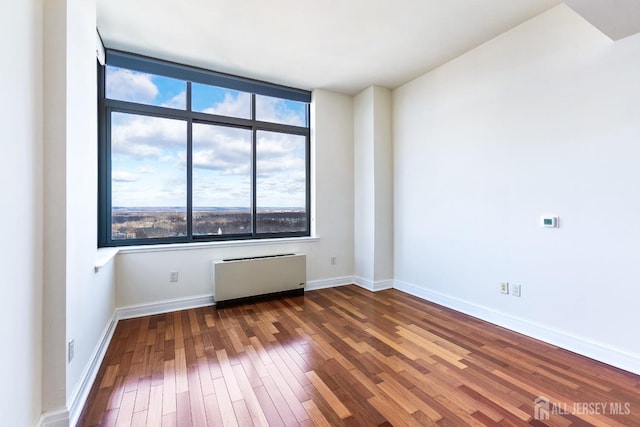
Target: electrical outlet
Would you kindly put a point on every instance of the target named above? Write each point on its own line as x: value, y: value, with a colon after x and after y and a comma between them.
x: 504, y: 287
x: 333, y: 260
x: 516, y: 289
x: 71, y: 350
x: 173, y: 276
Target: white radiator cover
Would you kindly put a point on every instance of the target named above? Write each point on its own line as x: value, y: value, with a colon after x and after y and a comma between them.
x: 246, y: 277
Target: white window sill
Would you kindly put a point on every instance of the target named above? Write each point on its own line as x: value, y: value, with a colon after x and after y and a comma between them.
x: 211, y: 245
x: 104, y: 256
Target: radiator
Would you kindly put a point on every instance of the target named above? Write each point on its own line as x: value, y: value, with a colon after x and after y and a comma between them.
x: 241, y: 278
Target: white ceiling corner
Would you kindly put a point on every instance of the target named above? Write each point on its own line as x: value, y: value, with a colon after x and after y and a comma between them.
x: 615, y: 18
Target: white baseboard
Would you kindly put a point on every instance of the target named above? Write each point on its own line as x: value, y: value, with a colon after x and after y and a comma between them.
x: 165, y: 306
x: 81, y: 392
x: 603, y: 353
x: 313, y: 285
x: 371, y: 285
x: 381, y: 285
x: 69, y: 417
x: 59, y: 418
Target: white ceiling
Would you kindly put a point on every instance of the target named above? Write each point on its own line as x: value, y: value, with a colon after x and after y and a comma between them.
x: 339, y: 45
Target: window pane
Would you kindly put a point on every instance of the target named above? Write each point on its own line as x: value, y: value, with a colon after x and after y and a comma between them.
x: 280, y: 183
x: 221, y: 180
x: 148, y: 177
x: 143, y: 88
x: 277, y: 110
x: 221, y: 101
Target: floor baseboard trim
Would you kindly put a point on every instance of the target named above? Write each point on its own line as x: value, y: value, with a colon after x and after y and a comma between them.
x: 165, y: 306
x: 59, y: 418
x: 372, y: 286
x: 381, y: 285
x: 313, y: 285
x: 579, y: 345
x: 81, y: 393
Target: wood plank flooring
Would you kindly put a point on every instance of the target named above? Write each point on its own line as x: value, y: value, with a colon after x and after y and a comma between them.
x: 346, y: 356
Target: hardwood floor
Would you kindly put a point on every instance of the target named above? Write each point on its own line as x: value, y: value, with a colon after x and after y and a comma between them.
x: 346, y: 356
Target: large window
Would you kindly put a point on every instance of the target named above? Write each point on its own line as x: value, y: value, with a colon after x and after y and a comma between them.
x: 190, y: 155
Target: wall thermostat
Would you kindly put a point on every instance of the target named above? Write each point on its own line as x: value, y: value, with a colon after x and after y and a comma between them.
x: 547, y: 221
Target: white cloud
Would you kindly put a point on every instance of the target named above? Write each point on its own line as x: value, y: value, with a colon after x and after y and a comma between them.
x: 144, y: 137
x: 223, y: 149
x: 212, y: 161
x: 210, y: 190
x: 179, y: 101
x: 123, y: 176
x: 278, y: 152
x: 288, y: 165
x: 276, y: 110
x: 281, y: 170
x: 232, y: 106
x: 167, y: 188
x: 130, y: 86
x: 145, y: 169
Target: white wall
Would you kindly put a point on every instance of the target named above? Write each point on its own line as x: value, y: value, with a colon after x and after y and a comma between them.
x: 543, y: 119
x: 383, y: 175
x: 21, y: 213
x: 142, y: 277
x: 363, y: 171
x: 90, y: 296
x: 54, y: 236
x: 78, y: 302
x: 373, y: 180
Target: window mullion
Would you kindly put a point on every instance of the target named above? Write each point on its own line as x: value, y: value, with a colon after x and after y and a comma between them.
x: 254, y: 211
x: 308, y: 172
x: 104, y: 192
x: 189, y: 167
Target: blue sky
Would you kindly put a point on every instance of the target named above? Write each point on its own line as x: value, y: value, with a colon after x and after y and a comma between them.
x: 149, y: 153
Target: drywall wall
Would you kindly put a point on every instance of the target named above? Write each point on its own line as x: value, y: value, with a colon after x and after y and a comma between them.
x: 21, y: 213
x: 541, y: 120
x: 90, y: 296
x: 364, y: 196
x: 79, y: 302
x: 383, y: 176
x: 373, y: 183
x: 142, y: 276
x: 54, y: 235
x: 332, y: 184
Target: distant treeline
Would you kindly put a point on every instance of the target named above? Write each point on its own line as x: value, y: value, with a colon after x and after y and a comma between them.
x: 137, y: 224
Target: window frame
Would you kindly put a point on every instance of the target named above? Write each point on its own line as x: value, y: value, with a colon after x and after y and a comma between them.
x: 192, y: 75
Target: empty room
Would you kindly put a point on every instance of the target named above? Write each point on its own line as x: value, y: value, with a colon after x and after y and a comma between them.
x: 321, y: 213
